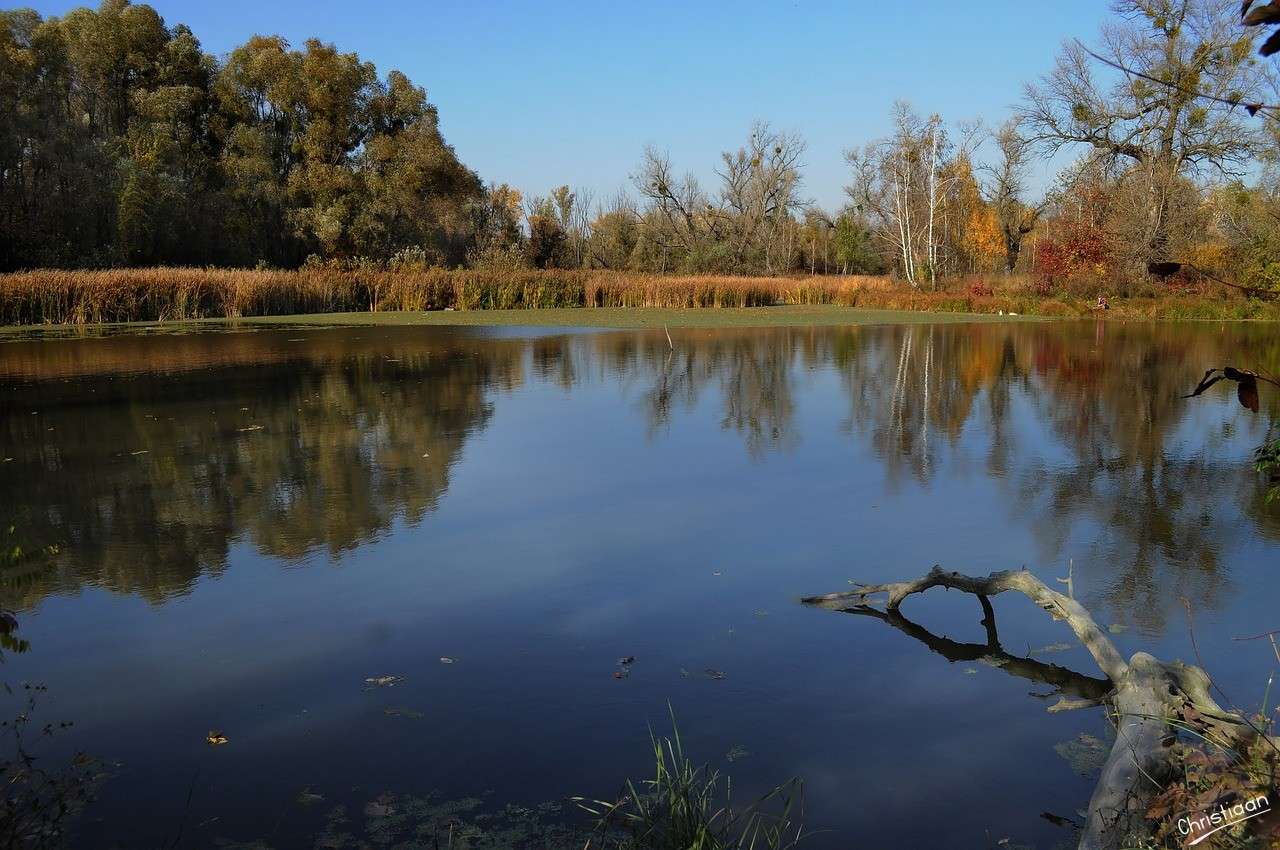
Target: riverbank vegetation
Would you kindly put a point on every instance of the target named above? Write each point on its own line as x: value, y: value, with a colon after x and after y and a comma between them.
x: 124, y: 145
x: 88, y: 297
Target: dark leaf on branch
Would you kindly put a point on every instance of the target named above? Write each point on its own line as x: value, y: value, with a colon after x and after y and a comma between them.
x: 1247, y: 392
x: 1271, y: 45
x: 1247, y: 384
x: 1268, y: 14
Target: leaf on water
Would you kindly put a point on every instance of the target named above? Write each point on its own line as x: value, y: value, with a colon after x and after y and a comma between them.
x: 446, y: 659
x: 215, y: 738
x: 971, y: 671
x: 736, y: 752
x: 1085, y: 754
x: 307, y: 798
x: 407, y: 713
x: 1117, y: 628
x: 382, y: 682
x: 1053, y: 647
x: 715, y: 674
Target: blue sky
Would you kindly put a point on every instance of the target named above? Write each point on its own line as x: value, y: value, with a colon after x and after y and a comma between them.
x: 542, y: 93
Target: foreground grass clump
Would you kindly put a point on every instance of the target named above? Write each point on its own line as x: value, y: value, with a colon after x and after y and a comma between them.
x: 689, y: 807
x: 50, y: 296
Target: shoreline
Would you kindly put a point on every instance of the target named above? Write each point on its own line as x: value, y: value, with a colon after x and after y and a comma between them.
x: 601, y: 318
x: 568, y: 318
x: 151, y: 297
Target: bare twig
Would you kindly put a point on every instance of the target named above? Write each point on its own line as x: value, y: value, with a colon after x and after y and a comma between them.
x: 1251, y: 108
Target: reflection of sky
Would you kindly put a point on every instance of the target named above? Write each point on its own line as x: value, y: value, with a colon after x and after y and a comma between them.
x: 573, y: 533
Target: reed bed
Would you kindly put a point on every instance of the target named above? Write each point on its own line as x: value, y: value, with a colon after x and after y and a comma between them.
x: 178, y: 294
x: 43, y: 297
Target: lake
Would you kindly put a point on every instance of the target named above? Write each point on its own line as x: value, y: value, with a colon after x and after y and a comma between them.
x: 252, y: 524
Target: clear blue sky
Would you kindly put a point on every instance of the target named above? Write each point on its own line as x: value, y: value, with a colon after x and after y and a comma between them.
x: 542, y: 93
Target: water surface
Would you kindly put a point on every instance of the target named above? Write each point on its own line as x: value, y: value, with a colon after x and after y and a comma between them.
x: 253, y: 523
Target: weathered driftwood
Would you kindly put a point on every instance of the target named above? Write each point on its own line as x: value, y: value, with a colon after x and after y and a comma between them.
x: 1144, y: 695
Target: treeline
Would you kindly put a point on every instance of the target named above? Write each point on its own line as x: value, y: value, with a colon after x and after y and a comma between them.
x: 122, y: 143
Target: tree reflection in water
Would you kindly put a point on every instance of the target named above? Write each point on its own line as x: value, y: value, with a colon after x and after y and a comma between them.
x: 146, y: 458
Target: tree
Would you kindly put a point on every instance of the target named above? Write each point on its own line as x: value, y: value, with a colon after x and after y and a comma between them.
x: 852, y: 245
x: 1160, y: 132
x: 1004, y: 189
x: 758, y: 195
x: 122, y: 142
x: 679, y: 215
x: 615, y: 233
x: 902, y: 183
x: 1077, y: 244
x: 548, y: 243
x: 495, y: 224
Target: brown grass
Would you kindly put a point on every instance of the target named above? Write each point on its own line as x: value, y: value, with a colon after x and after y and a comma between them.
x: 177, y: 294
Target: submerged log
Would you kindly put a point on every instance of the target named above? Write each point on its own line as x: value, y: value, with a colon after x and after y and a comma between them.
x: 1145, y: 697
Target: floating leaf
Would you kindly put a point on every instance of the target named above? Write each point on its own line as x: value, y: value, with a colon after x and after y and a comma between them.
x: 1085, y: 753
x: 307, y: 798
x: 407, y: 713
x: 1053, y: 647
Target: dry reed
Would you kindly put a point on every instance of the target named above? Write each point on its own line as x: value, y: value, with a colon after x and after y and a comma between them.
x: 176, y: 294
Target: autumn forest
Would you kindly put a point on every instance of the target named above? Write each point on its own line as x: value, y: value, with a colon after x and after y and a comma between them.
x: 123, y: 143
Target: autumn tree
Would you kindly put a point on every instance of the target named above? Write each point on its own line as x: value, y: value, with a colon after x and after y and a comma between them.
x: 904, y: 184
x: 1158, y: 131
x: 495, y: 223
x: 615, y: 233
x: 1005, y: 188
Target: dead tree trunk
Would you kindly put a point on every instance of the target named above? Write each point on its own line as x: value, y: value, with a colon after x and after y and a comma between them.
x: 1144, y: 695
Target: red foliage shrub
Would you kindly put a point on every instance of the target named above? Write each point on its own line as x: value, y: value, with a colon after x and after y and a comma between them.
x: 979, y: 287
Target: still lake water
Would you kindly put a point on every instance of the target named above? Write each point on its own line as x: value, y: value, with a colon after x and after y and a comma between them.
x: 253, y: 523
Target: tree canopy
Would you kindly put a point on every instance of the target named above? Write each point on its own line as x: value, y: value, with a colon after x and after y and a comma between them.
x: 123, y: 142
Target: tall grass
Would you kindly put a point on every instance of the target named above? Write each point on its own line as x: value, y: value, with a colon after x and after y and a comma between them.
x: 49, y: 296
x: 690, y: 807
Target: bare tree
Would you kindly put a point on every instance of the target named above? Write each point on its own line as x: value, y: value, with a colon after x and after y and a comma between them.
x: 1004, y: 189
x: 679, y: 205
x: 1200, y: 51
x: 759, y: 192
x: 903, y: 183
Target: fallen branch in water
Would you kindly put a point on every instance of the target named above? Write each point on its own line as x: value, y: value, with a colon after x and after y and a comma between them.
x: 1148, y: 700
